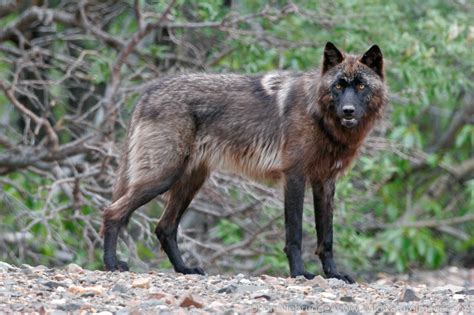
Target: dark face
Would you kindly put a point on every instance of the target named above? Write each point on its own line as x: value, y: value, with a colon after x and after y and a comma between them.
x: 350, y: 82
x: 350, y: 99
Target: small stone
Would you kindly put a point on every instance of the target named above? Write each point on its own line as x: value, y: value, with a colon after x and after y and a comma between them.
x: 40, y: 268
x: 348, y: 299
x: 216, y: 304
x: 59, y: 277
x: 229, y: 289
x: 25, y: 267
x: 260, y: 282
x: 459, y: 297
x: 157, y: 295
x: 262, y: 296
x: 240, y: 276
x: 300, y: 279
x: 215, y: 281
x: 70, y: 307
x: 189, y: 301
x: 58, y: 302
x: 319, y: 281
x: 299, y: 288
x: 336, y: 283
x: 150, y: 303
x: 328, y: 295
x: 105, y: 313
x: 53, y: 284
x: 73, y: 268
x: 60, y: 289
x: 245, y: 281
x: 141, y: 283
x: 269, y: 278
x: 86, y: 291
x: 7, y: 267
x: 466, y: 292
x: 408, y: 295
x: 118, y: 287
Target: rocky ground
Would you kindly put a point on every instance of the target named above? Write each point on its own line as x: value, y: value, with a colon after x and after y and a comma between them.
x: 76, y: 290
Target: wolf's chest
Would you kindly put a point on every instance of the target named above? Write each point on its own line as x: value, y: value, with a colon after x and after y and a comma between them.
x: 330, y: 164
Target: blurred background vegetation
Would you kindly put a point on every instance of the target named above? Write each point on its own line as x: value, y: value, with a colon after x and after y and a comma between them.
x: 70, y: 72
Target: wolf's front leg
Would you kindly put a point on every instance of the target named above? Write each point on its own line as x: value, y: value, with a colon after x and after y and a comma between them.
x: 294, y: 197
x: 323, y: 194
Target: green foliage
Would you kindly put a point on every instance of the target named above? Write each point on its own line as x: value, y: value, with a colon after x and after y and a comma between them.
x: 403, y: 246
x: 229, y: 232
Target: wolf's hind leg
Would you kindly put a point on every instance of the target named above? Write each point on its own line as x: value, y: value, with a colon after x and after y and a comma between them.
x: 118, y: 214
x: 156, y: 157
x: 180, y: 196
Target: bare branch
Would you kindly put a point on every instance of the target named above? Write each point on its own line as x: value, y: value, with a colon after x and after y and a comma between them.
x: 53, y: 137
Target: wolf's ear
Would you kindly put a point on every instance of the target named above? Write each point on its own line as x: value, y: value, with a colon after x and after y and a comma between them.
x: 374, y: 60
x: 332, y: 57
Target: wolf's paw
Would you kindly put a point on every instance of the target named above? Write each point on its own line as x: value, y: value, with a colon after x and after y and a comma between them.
x: 118, y: 266
x: 341, y: 276
x: 307, y: 275
x: 191, y: 271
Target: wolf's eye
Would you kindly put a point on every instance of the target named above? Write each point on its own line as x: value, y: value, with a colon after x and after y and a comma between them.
x: 361, y: 87
x: 338, y: 86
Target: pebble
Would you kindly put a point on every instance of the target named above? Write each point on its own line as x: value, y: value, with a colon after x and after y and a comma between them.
x: 39, y: 268
x: 408, y: 295
x: 229, y: 289
x: 73, y: 268
x: 118, y: 287
x: 216, y: 304
x: 58, y: 301
x: 70, y: 307
x: 320, y: 282
x: 348, y: 299
x: 141, y: 283
x: 189, y: 301
x: 88, y: 291
x: 299, y: 288
x: 53, y: 284
x: 262, y: 296
x: 328, y: 295
x: 7, y: 267
x: 245, y: 281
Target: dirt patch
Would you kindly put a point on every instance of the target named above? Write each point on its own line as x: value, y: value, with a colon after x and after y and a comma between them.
x: 76, y: 290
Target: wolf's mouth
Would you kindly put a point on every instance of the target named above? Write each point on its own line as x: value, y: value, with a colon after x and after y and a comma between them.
x: 349, y: 122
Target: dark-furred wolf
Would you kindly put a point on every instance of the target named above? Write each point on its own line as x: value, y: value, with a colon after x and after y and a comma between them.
x: 303, y: 129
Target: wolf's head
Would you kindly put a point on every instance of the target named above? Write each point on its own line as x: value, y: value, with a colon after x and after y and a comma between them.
x: 351, y: 88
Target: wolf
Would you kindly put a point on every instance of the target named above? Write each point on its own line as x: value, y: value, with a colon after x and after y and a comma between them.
x: 303, y: 129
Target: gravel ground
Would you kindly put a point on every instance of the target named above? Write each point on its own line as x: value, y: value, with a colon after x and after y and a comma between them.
x: 76, y: 290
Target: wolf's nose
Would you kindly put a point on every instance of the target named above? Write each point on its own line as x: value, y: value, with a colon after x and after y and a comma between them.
x: 348, y: 109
